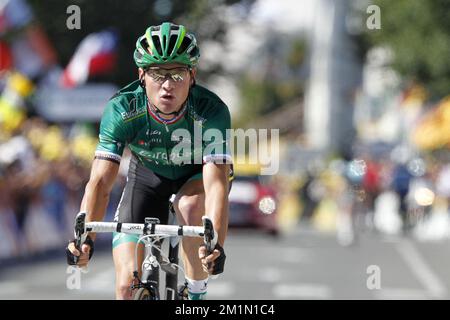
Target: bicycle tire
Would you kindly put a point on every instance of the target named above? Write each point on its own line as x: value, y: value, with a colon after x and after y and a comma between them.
x: 182, y: 293
x: 143, y: 294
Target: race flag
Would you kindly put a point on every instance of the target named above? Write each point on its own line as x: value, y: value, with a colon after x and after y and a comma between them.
x: 95, y: 55
x: 6, y: 59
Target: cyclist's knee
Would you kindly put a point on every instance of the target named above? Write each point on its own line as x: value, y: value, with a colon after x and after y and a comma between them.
x: 191, y: 209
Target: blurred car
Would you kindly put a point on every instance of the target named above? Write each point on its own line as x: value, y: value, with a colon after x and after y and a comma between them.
x: 252, y: 201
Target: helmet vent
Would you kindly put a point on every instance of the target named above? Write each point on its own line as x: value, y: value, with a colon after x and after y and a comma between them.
x: 184, y: 45
x: 194, y: 52
x: 172, y: 42
x: 144, y: 44
x: 157, y: 44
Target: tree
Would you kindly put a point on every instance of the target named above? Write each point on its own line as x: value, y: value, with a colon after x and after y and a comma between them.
x: 274, y: 78
x: 418, y: 33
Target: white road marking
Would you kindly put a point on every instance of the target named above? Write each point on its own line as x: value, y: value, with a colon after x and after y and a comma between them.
x: 295, y: 255
x: 285, y: 254
x: 400, y: 293
x: 11, y: 290
x: 220, y: 289
x: 418, y: 266
x: 302, y: 291
x: 269, y: 274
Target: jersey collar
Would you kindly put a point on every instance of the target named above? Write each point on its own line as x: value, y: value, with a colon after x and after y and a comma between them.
x: 159, y: 119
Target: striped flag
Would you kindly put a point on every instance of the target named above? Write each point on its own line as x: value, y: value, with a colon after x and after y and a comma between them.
x: 95, y: 55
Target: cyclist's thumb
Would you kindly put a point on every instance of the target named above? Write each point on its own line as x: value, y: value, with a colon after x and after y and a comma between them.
x: 73, y: 249
x: 85, y: 248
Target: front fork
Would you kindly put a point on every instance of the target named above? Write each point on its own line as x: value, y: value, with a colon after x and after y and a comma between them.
x: 150, y: 274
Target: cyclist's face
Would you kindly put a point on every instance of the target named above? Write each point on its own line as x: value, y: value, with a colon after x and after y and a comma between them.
x: 167, y: 85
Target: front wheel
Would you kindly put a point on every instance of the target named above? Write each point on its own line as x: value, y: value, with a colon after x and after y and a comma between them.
x: 182, y: 293
x: 143, y: 294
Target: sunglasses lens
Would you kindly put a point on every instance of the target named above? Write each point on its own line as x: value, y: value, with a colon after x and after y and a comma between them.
x: 177, y: 77
x: 157, y: 76
x: 160, y: 74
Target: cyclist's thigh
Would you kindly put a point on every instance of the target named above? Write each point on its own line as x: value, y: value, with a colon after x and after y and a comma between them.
x: 145, y: 195
x: 137, y: 202
x: 189, y: 202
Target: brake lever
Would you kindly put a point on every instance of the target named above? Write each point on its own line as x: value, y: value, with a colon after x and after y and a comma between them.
x: 80, y: 232
x: 209, y: 236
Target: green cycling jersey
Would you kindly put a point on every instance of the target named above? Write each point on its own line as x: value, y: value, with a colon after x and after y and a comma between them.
x: 170, y: 148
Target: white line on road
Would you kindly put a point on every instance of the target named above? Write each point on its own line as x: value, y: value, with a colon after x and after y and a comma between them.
x: 400, y: 293
x: 295, y: 255
x: 302, y: 291
x: 10, y: 290
x: 285, y: 254
x: 220, y: 289
x: 421, y: 270
x: 269, y: 274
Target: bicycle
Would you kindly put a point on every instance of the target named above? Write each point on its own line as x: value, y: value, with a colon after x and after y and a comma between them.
x: 148, y: 285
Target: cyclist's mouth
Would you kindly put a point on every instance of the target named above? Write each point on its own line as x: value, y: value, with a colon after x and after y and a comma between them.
x: 167, y: 98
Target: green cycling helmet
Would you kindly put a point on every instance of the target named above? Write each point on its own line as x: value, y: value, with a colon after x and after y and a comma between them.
x: 166, y: 43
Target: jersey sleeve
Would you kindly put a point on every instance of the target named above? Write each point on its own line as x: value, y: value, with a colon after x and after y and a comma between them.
x: 113, y: 134
x: 216, y: 136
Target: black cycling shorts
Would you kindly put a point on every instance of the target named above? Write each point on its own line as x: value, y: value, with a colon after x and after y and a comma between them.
x: 147, y: 194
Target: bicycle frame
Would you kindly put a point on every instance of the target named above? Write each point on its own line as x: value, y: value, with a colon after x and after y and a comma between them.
x: 152, y: 261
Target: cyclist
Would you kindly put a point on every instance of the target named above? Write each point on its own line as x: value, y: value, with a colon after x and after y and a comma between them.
x: 144, y: 116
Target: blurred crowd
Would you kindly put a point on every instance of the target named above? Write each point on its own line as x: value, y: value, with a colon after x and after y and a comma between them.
x: 43, y: 170
x: 44, y: 166
x: 396, y: 192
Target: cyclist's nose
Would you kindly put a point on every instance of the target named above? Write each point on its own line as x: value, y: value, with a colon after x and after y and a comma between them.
x: 168, y: 83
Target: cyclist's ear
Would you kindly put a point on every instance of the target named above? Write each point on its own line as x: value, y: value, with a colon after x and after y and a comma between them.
x: 193, y: 72
x: 141, y: 73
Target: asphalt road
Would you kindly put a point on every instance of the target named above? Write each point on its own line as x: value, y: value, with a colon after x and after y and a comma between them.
x: 303, y: 264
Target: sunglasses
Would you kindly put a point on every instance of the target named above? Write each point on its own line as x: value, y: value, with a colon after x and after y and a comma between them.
x: 160, y: 75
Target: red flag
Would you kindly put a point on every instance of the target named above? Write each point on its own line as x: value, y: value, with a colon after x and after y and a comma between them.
x: 5, y: 57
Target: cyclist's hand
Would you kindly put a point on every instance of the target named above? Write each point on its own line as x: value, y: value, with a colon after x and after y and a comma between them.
x: 87, y: 250
x: 214, y: 262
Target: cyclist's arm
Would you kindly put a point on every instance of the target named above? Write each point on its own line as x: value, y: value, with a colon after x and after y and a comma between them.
x: 215, y: 181
x: 98, y: 189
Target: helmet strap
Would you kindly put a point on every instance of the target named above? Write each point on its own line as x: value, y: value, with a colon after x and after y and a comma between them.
x: 174, y: 113
x: 158, y: 112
